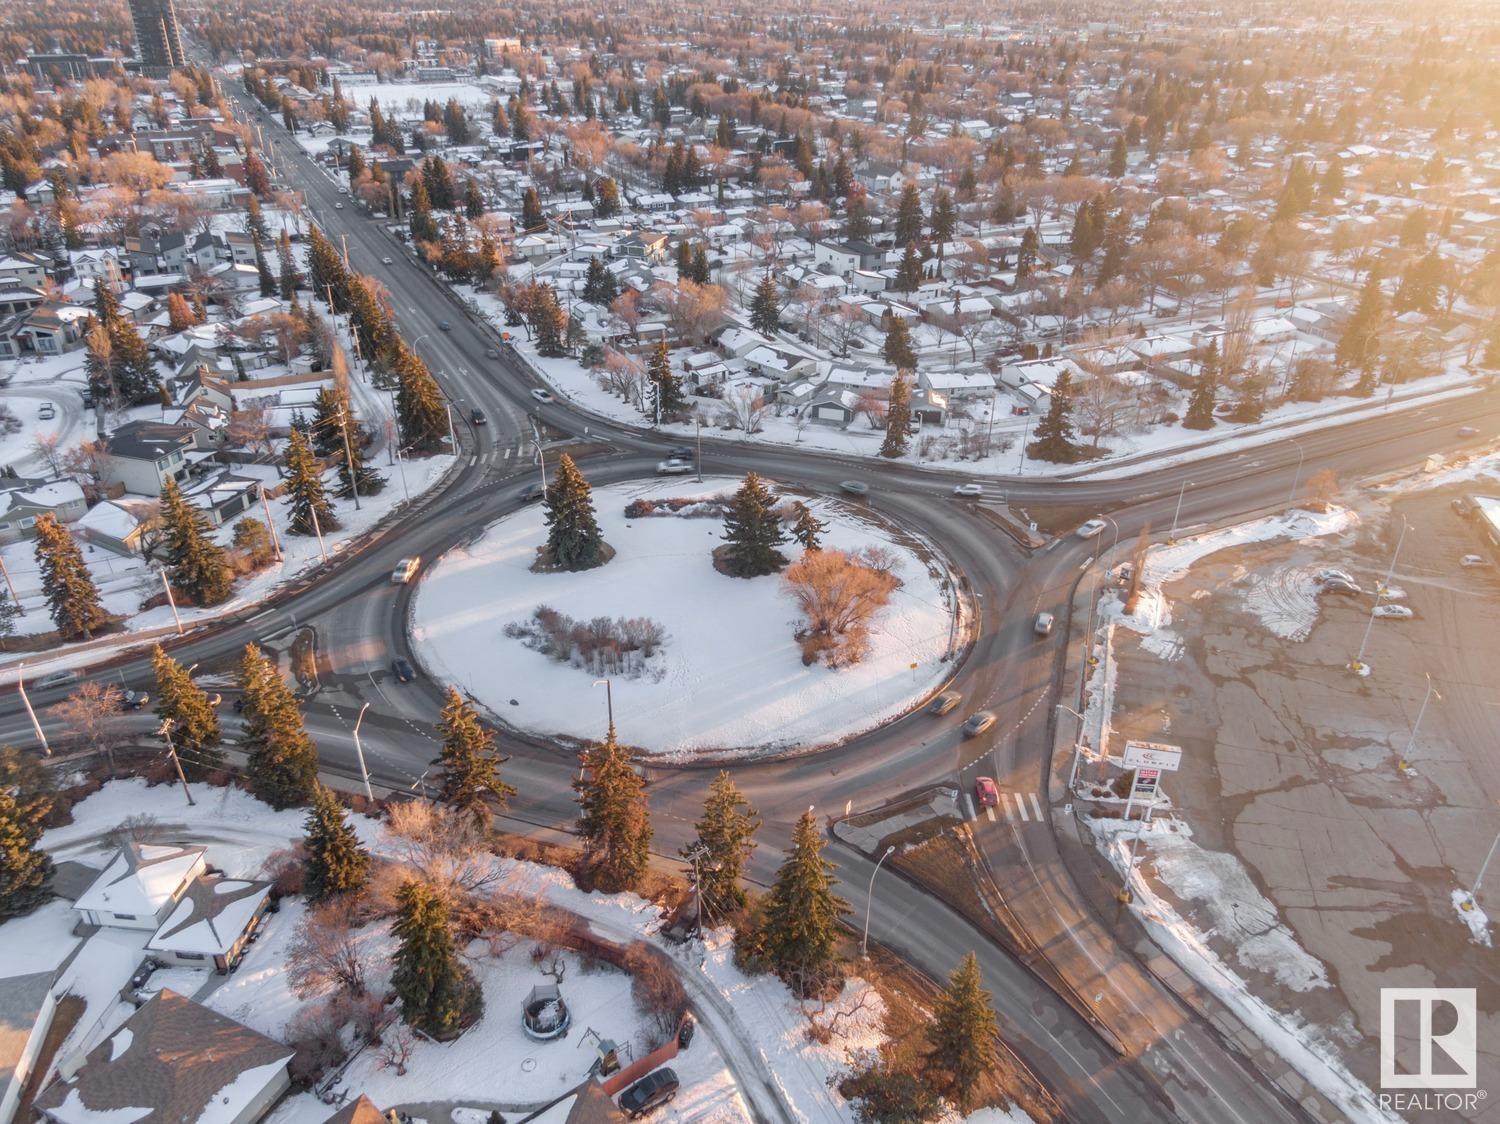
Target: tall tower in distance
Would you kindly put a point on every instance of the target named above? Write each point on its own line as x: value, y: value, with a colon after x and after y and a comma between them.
x: 158, y: 39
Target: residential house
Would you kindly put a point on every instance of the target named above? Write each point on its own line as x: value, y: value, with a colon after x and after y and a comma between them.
x: 22, y: 269
x: 141, y: 885
x: 27, y: 1006
x: 958, y: 385
x: 224, y: 496
x: 143, y: 455
x: 22, y: 502
x: 835, y: 258
x: 833, y: 406
x: 212, y: 923
x: 172, y: 1060
x: 124, y: 526
x: 18, y: 298
x: 54, y: 328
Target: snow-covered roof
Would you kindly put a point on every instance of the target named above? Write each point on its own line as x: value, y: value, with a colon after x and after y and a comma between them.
x: 141, y: 879
x: 211, y: 916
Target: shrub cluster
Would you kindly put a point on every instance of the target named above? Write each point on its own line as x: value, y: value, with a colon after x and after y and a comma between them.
x: 603, y: 645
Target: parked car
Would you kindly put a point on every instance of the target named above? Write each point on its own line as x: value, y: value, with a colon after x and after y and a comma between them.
x: 944, y: 703
x: 1393, y: 612
x: 1091, y: 528
x: 854, y: 487
x: 1341, y: 587
x: 134, y: 700
x: 1330, y: 575
x: 476, y: 415
x: 1467, y: 431
x: 971, y: 489
x: 46, y: 411
x: 649, y: 1093
x: 1463, y: 506
x: 403, y: 670
x: 1043, y: 625
x: 986, y: 792
x: 978, y: 723
x: 405, y: 570
x: 673, y: 468
x: 1473, y: 561
x: 542, y: 395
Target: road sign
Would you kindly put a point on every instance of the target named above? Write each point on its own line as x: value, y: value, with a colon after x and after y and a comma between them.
x: 1153, y: 755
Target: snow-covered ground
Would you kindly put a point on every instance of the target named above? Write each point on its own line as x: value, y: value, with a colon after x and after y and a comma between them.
x: 730, y: 675
x: 406, y: 98
x: 754, y: 1019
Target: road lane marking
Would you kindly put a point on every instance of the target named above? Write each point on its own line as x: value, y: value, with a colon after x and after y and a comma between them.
x: 1036, y: 807
x: 1021, y: 806
x: 990, y: 812
x: 968, y: 807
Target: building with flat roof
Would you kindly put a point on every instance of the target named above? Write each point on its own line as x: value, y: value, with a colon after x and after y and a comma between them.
x: 158, y: 37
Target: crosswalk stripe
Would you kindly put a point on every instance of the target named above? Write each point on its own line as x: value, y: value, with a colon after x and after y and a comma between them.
x: 1021, y: 806
x: 1036, y: 806
x: 990, y: 812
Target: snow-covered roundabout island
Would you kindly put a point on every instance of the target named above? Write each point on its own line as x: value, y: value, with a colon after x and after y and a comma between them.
x: 728, y: 676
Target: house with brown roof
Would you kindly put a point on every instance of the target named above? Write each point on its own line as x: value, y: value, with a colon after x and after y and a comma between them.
x: 172, y: 1061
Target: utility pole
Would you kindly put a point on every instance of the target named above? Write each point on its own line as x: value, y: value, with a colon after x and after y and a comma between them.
x: 26, y: 702
x: 452, y: 440
x: 698, y: 438
x: 166, y: 732
x: 1021, y: 456
x: 1296, y: 476
x: 10, y: 585
x: 864, y: 941
x: 313, y: 511
x: 172, y: 601
x: 349, y: 454
x: 270, y: 525
x: 609, y: 699
x: 359, y: 750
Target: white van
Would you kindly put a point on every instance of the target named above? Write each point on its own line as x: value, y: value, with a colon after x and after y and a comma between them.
x: 405, y: 570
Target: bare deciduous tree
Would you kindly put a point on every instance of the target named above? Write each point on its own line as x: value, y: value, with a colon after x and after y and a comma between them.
x: 323, y: 956
x: 838, y: 593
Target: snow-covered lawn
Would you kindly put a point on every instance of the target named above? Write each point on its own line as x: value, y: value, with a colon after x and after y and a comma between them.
x: 730, y: 674
x: 405, y: 99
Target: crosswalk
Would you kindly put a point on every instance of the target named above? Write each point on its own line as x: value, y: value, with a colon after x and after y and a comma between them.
x: 1016, y: 807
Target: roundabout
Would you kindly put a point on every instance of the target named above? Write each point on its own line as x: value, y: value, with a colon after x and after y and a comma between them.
x: 701, y: 663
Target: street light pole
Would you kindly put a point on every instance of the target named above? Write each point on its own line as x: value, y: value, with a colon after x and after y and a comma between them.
x: 166, y: 732
x: 609, y: 700
x: 359, y: 751
x: 172, y: 601
x: 1296, y: 476
x: 1172, y: 535
x: 1359, y: 659
x: 864, y: 941
x: 1077, y: 743
x: 1469, y: 902
x: 26, y: 702
x: 1415, y: 726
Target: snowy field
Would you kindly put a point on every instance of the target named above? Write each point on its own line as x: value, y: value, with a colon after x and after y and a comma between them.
x: 406, y: 98
x: 730, y: 675
x: 748, y: 1025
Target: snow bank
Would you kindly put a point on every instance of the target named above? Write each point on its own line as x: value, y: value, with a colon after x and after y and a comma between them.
x: 730, y: 675
x: 1475, y: 918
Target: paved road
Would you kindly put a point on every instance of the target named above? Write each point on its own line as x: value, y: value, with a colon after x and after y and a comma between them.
x: 1173, y: 1065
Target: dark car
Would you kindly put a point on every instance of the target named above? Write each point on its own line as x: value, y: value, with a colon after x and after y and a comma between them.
x: 649, y: 1093
x: 444, y: 326
x: 133, y: 700
x: 476, y: 416
x: 491, y: 353
x: 403, y: 670
x: 532, y: 492
x: 978, y: 723
x: 681, y: 453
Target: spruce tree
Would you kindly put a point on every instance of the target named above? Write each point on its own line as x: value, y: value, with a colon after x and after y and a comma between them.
x: 664, y: 381
x: 550, y: 321
x: 98, y: 366
x: 131, y: 365
x: 909, y: 215
x: 306, y: 502
x: 944, y: 217
x: 280, y: 759
x: 470, y: 767
x: 606, y: 198
x: 909, y: 272
x: 195, y: 725
x: 897, y: 417
x: 287, y: 276
x: 420, y: 414
x: 1355, y: 345
x: 200, y: 568
x: 807, y: 530
x: 614, y: 820
x: 333, y: 861
x: 897, y: 349
x: 765, y: 307
x: 573, y: 538
x: 752, y: 528
x: 962, y: 1034
x: 725, y: 837
x: 532, y: 216
x: 800, y: 928
x: 1027, y: 254
x: 1200, y: 410
x: 263, y: 270
x: 599, y: 286
x: 25, y: 869
x: 179, y: 315
x: 437, y: 990
x: 1117, y: 156
x: 72, y: 598
x: 1054, y: 433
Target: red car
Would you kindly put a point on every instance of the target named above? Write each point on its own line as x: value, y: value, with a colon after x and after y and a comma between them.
x: 986, y: 792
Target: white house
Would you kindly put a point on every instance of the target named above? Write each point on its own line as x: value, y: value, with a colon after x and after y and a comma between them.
x: 211, y: 923
x: 141, y: 885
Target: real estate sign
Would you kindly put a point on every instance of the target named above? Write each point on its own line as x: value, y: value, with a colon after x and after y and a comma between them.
x: 1152, y: 755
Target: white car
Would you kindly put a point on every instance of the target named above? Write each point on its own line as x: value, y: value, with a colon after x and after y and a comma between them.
x: 674, y: 468
x: 405, y: 570
x: 1332, y: 575
x: 1473, y: 561
x: 543, y: 395
x: 1091, y: 528
x: 1393, y: 612
x: 339, y: 206
x: 385, y: 261
x: 968, y: 489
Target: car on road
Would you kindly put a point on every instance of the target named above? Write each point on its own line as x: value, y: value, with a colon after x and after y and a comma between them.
x: 476, y: 415
x: 1473, y: 561
x: 1091, y: 528
x: 674, y: 468
x: 1467, y: 431
x: 1341, y: 587
x: 343, y: 191
x: 854, y: 487
x: 944, y: 703
x: 542, y: 395
x: 532, y: 492
x: 986, y: 792
x: 444, y: 326
x: 405, y: 570
x: 133, y: 700
x: 649, y: 1093
x: 54, y: 679
x: 339, y: 206
x: 1393, y: 612
x: 403, y: 670
x: 46, y: 411
x: 491, y: 353
x: 970, y: 489
x: 1043, y: 624
x: 978, y: 723
x: 681, y: 453
x: 386, y: 260
x: 1462, y: 506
